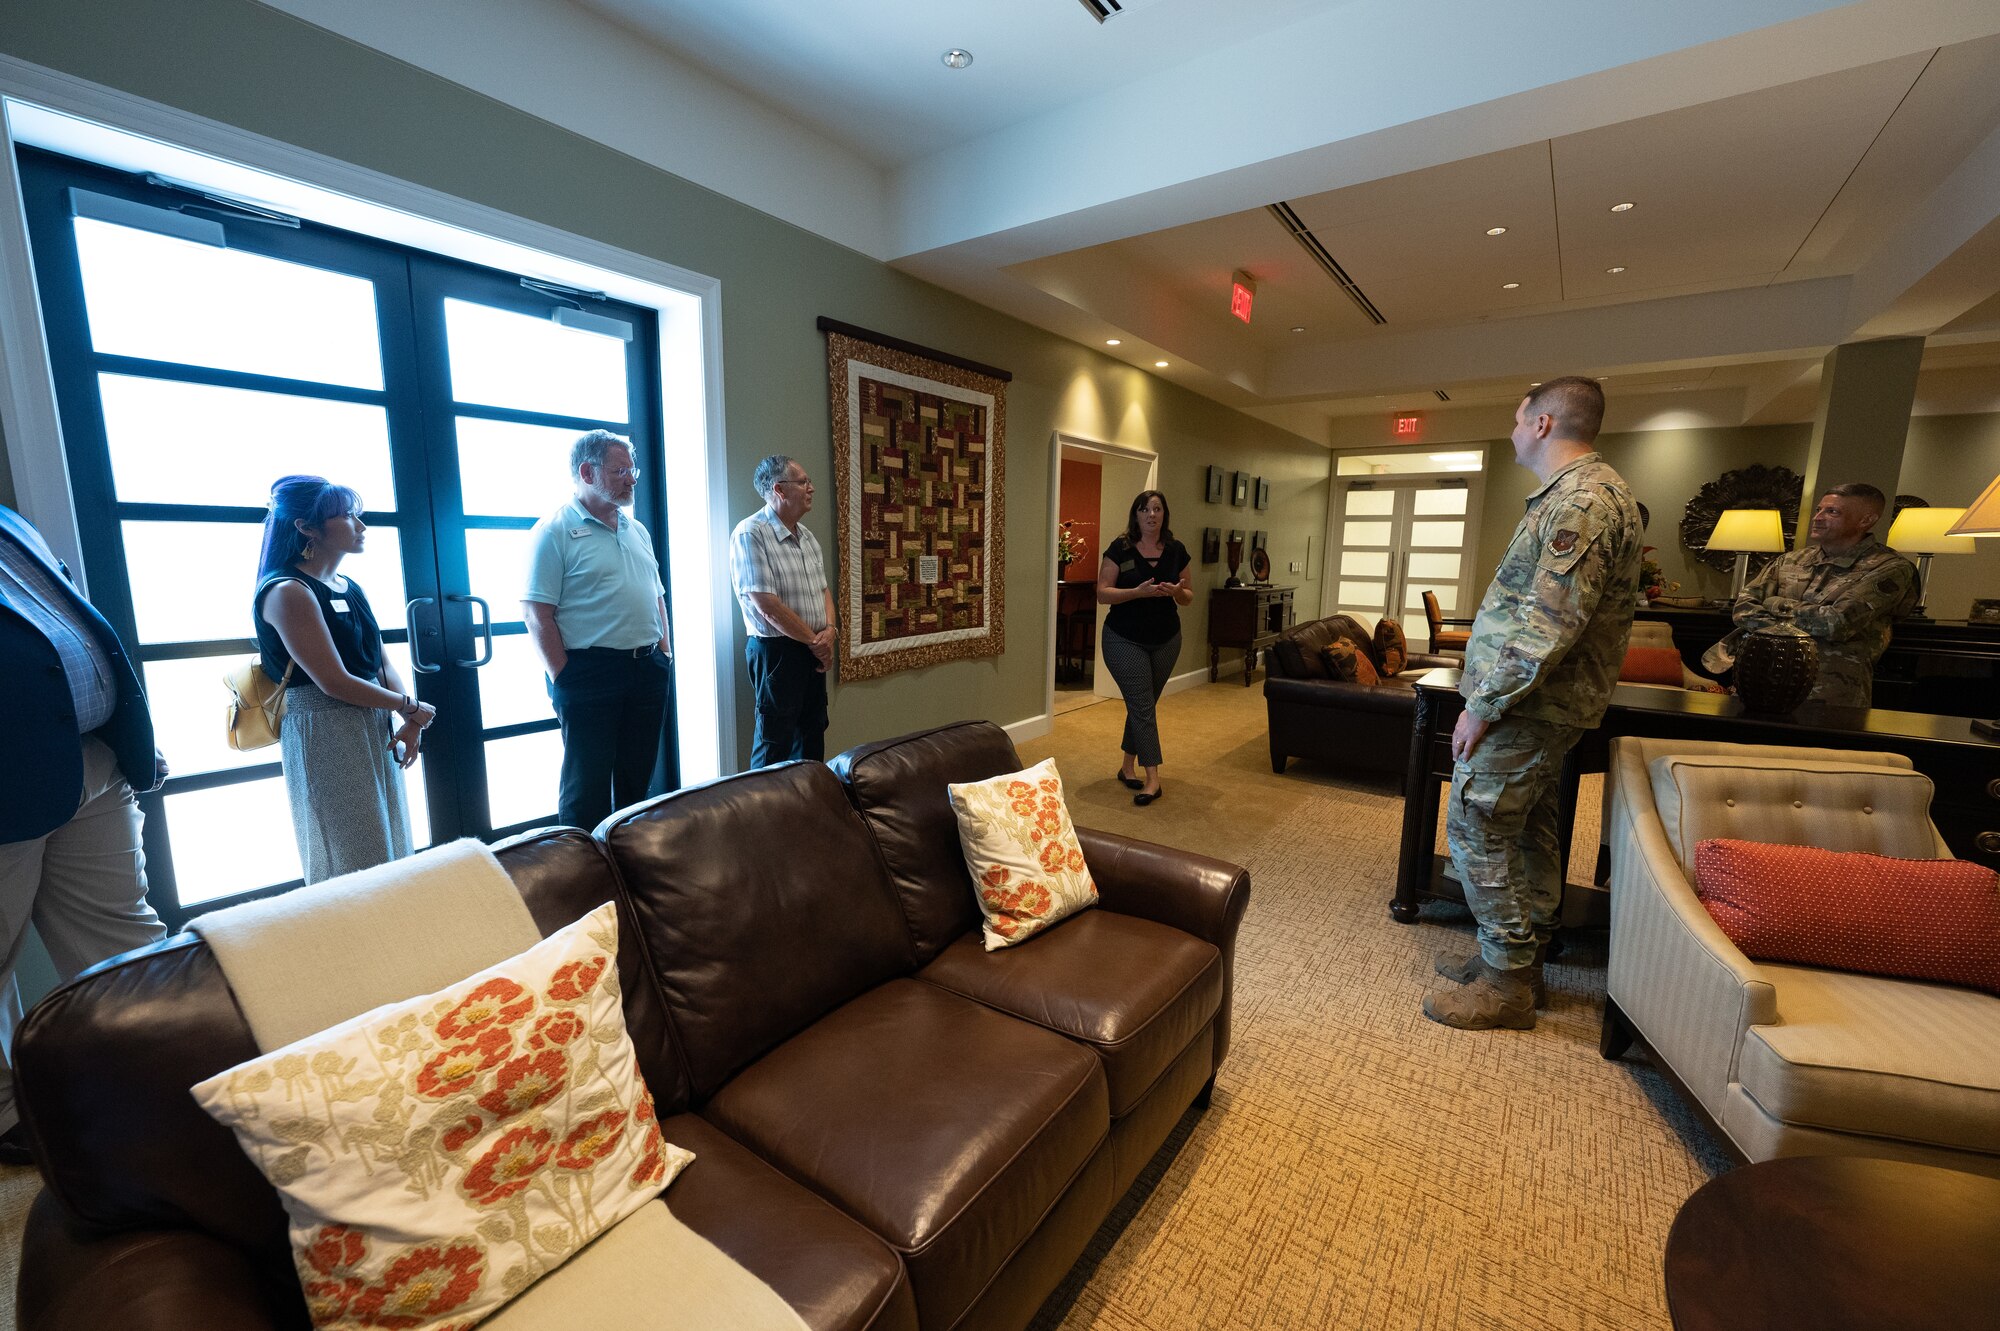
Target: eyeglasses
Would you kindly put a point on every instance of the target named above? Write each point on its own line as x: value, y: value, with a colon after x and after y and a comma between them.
x: 798, y: 485
x: 621, y: 473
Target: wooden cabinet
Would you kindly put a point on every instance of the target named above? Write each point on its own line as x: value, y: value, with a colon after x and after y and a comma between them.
x: 1248, y: 619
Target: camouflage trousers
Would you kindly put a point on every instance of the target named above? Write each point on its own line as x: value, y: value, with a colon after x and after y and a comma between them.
x: 1501, y: 823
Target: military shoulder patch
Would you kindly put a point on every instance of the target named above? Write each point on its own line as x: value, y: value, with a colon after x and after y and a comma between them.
x: 1564, y: 542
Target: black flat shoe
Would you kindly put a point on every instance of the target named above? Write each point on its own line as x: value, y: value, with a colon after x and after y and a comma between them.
x: 1142, y: 799
x: 1131, y: 782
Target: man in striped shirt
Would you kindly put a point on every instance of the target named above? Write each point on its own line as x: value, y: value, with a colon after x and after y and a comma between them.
x: 775, y: 566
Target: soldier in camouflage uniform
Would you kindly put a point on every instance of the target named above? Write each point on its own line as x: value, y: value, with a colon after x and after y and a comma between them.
x: 1843, y: 589
x: 1539, y: 669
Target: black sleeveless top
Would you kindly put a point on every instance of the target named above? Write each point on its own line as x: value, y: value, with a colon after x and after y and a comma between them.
x: 1154, y: 619
x: 349, y: 622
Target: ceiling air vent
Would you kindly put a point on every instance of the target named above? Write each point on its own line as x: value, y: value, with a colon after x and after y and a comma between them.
x: 1302, y: 233
x: 1442, y: 395
x: 1106, y: 10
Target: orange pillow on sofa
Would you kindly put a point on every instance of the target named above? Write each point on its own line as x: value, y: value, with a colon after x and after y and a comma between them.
x: 1345, y: 661
x: 1849, y: 910
x: 1651, y: 665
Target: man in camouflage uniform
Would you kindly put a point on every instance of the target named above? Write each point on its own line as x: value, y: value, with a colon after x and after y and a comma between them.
x: 1843, y: 589
x: 1544, y: 655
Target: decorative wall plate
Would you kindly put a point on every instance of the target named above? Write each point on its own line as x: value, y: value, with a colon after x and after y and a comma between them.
x: 1755, y: 486
x: 1260, y: 566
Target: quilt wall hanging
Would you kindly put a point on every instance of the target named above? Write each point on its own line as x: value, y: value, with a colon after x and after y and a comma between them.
x: 919, y: 469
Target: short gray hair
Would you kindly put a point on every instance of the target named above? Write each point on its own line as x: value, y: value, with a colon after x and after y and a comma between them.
x: 769, y: 472
x: 592, y: 447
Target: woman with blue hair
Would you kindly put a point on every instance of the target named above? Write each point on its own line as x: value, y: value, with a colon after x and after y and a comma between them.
x: 348, y: 719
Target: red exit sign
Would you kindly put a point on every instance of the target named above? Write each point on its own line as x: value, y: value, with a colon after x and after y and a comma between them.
x: 1409, y: 427
x: 1242, y: 292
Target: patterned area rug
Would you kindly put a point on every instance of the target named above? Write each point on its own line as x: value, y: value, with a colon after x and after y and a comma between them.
x: 1360, y: 1166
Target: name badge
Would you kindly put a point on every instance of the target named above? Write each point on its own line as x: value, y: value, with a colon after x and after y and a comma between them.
x: 339, y: 604
x: 578, y: 533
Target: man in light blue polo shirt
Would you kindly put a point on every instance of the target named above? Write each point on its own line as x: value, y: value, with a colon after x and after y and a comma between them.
x: 597, y: 613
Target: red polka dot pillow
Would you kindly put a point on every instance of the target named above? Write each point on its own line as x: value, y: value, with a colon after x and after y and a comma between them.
x: 1853, y: 911
x: 1026, y: 864
x: 438, y: 1156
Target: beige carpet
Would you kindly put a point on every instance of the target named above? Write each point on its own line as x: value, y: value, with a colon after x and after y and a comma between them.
x: 1360, y: 1166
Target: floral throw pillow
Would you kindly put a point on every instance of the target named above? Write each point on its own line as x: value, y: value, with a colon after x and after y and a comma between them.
x: 438, y: 1156
x: 1022, y: 852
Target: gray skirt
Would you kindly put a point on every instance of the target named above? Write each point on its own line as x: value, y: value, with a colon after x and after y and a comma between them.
x: 348, y: 809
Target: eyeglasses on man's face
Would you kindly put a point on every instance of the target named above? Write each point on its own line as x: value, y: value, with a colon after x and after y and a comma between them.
x: 619, y: 473
x: 803, y: 483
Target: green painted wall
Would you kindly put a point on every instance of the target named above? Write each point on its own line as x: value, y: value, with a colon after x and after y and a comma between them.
x: 250, y: 66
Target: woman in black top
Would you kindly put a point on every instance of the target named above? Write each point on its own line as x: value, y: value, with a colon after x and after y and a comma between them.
x: 1144, y: 579
x: 339, y: 747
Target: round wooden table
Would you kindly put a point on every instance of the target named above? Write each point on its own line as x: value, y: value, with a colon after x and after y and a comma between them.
x: 1835, y: 1242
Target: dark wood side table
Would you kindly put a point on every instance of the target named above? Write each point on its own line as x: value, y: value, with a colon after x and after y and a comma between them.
x: 1248, y: 619
x: 1964, y: 766
x: 1837, y: 1243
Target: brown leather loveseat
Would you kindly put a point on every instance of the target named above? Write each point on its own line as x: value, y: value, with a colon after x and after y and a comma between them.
x: 1349, y: 726
x: 893, y: 1127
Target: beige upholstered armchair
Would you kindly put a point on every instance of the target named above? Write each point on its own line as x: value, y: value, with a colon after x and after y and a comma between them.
x: 1788, y: 1060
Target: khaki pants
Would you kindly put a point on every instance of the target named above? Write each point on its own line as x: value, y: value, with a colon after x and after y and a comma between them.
x: 1501, y: 823
x: 84, y: 887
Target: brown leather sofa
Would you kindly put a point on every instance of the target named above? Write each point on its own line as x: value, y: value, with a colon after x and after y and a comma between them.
x: 1348, y: 726
x: 894, y: 1128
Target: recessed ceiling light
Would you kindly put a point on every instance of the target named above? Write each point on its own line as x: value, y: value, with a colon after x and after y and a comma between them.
x: 1159, y: 365
x: 1110, y: 341
x: 1623, y: 207
x: 957, y: 58
x: 1616, y: 268
x: 1496, y: 230
x: 1509, y: 286
x: 1298, y: 328
x: 1536, y: 384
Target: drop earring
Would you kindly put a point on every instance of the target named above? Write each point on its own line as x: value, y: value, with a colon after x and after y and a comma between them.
x: 310, y: 553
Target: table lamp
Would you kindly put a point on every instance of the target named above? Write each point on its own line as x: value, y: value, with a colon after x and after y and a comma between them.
x: 1747, y: 531
x: 1924, y: 532
x: 1982, y: 519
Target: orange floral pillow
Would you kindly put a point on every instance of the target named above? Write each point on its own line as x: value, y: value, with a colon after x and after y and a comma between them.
x: 1022, y: 853
x: 440, y: 1155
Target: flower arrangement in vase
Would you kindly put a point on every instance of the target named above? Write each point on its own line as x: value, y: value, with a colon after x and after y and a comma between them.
x: 1068, y: 548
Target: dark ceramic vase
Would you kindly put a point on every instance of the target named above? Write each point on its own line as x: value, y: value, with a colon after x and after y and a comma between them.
x: 1776, y: 667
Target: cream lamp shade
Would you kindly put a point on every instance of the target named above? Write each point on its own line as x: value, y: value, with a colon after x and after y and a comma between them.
x: 1983, y: 518
x: 1924, y: 532
x: 1747, y: 531
x: 1927, y: 531
x: 1756, y: 530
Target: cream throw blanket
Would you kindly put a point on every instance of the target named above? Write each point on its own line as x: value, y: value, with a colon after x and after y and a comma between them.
x: 312, y: 958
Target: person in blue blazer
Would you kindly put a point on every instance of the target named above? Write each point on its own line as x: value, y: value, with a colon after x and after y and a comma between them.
x: 76, y: 750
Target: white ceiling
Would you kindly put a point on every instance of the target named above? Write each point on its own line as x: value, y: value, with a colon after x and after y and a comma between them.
x: 1806, y: 172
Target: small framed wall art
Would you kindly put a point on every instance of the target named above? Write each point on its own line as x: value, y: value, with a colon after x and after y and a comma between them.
x: 1263, y: 493
x: 1211, y: 543
x: 1256, y: 540
x: 1239, y: 494
x: 1215, y: 485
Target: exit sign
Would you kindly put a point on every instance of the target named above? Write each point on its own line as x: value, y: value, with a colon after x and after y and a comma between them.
x: 1410, y: 426
x: 1242, y: 292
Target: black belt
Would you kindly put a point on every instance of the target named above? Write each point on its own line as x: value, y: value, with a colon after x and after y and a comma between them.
x: 622, y: 653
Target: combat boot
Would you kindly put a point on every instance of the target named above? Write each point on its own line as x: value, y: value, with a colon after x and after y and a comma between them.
x: 1495, y: 999
x: 1464, y: 970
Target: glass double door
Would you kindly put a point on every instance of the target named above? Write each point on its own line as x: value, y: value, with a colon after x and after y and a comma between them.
x: 1397, y: 540
x: 200, y: 353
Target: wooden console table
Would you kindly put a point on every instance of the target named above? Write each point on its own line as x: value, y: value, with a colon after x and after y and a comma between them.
x: 1964, y: 766
x: 1248, y: 619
